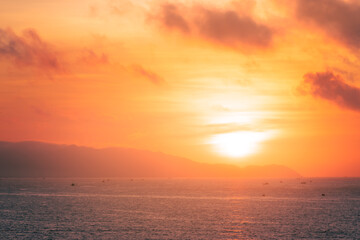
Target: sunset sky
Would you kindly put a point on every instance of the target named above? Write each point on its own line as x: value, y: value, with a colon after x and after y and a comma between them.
x: 243, y: 82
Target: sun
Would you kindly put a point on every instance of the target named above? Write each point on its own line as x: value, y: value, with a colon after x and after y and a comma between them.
x: 239, y: 144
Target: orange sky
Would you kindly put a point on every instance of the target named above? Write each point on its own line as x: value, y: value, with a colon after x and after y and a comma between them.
x: 242, y: 82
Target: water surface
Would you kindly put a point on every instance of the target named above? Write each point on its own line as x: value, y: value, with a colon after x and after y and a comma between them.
x: 180, y: 209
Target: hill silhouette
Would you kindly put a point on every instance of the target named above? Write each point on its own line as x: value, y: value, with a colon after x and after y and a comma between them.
x: 37, y: 159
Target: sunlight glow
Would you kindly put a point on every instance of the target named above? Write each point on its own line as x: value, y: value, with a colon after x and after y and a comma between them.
x: 243, y: 118
x: 239, y: 144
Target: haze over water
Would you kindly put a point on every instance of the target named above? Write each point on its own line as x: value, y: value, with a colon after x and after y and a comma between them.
x: 180, y: 209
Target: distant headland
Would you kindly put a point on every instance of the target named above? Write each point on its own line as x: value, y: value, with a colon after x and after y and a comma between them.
x: 37, y: 159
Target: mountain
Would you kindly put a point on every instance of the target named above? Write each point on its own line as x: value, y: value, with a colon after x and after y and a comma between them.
x: 36, y: 159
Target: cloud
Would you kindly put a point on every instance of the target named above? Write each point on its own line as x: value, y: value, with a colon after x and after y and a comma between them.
x: 90, y: 57
x: 149, y: 75
x: 331, y: 87
x: 171, y: 18
x: 28, y: 50
x: 93, y: 11
x: 337, y: 18
x: 120, y: 8
x: 40, y: 112
x: 220, y: 108
x: 225, y: 27
x: 229, y: 28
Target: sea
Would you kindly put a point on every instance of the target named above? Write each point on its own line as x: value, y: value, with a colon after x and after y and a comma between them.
x: 79, y: 208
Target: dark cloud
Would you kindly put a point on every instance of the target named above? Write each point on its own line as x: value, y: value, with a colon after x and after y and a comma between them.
x: 172, y: 19
x: 331, y: 87
x: 339, y: 19
x: 230, y: 28
x: 151, y: 76
x: 225, y: 27
x: 27, y: 50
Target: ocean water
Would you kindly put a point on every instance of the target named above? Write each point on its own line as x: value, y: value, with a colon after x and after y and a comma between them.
x: 180, y: 209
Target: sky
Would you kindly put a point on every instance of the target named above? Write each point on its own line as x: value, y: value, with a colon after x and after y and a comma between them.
x: 251, y: 82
